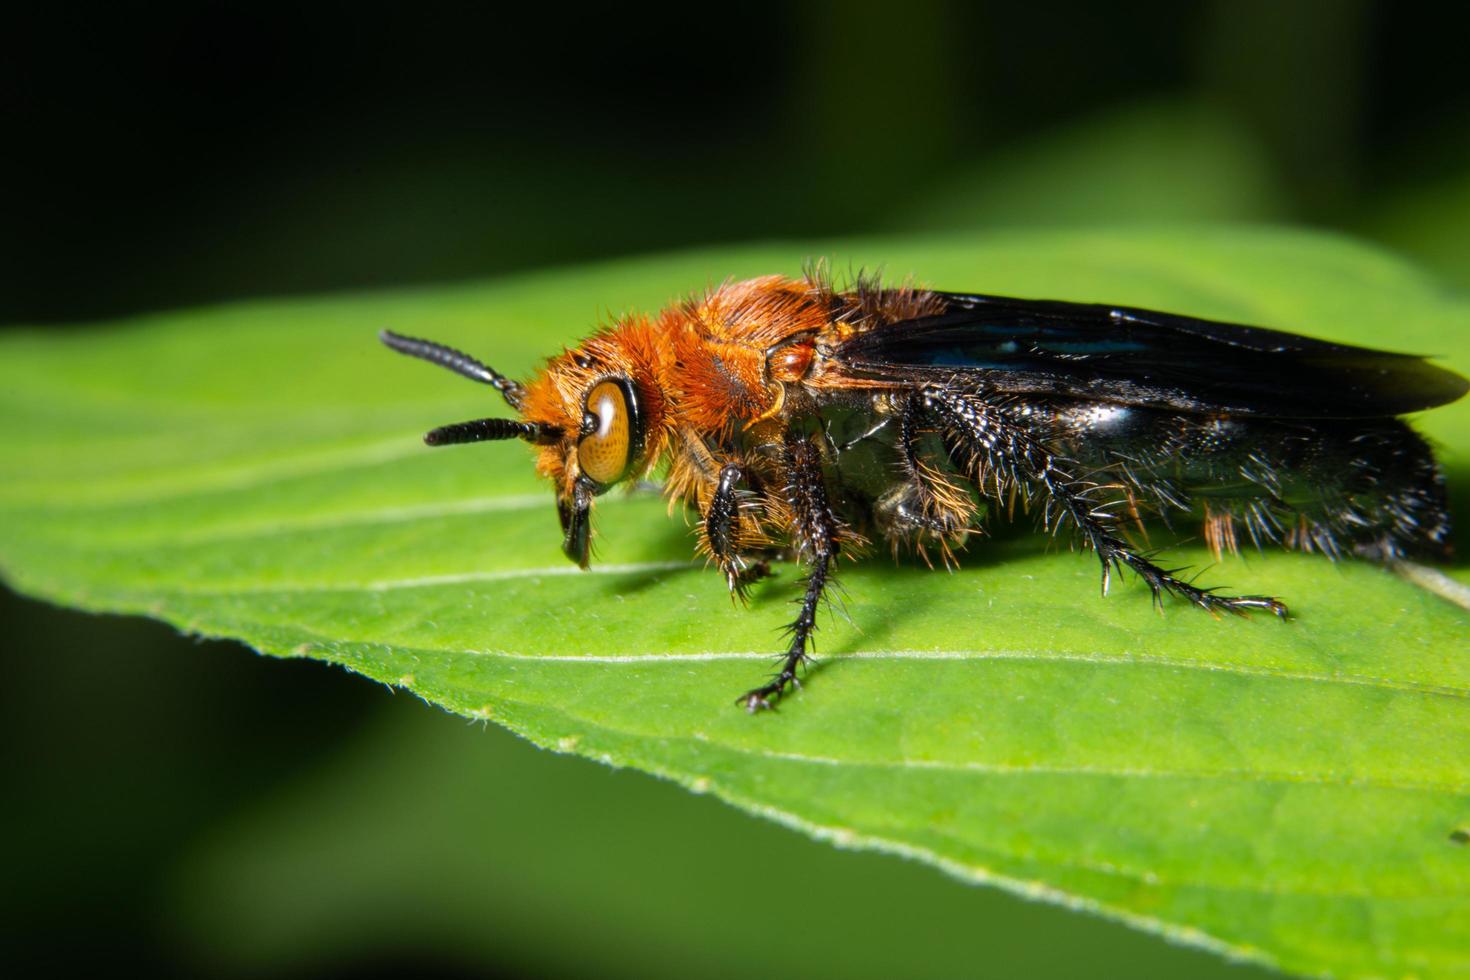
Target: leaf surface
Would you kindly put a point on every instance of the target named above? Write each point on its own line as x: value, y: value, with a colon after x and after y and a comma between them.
x: 1298, y: 793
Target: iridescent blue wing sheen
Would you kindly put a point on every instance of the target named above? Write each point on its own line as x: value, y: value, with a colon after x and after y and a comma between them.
x: 1142, y: 357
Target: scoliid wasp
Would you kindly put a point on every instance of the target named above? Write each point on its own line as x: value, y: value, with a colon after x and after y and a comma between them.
x: 798, y: 417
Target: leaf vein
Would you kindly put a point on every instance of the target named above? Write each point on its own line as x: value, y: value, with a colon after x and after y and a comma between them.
x: 1124, y: 659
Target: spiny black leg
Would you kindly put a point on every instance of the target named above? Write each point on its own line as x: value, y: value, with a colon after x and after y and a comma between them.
x: 926, y: 506
x: 1004, y: 446
x: 814, y: 529
x: 723, y: 532
x: 933, y: 502
x: 722, y: 521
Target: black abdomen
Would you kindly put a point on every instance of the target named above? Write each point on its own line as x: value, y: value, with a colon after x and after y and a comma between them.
x: 1367, y: 487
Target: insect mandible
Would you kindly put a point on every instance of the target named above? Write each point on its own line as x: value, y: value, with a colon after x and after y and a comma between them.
x: 799, y: 417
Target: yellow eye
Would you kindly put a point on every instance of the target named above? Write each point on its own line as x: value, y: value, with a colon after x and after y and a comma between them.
x: 606, y: 449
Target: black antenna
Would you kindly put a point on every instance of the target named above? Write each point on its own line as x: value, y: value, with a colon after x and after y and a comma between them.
x: 458, y: 362
x: 485, y: 430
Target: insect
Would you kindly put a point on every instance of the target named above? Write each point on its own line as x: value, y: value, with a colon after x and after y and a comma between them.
x: 797, y: 416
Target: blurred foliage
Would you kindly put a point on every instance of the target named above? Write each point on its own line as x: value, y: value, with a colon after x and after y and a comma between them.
x: 213, y: 152
x: 484, y: 850
x: 183, y: 155
x: 1431, y: 223
x: 1148, y: 164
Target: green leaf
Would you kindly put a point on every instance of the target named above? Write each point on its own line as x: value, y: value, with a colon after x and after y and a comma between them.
x: 1296, y: 794
x: 423, y: 835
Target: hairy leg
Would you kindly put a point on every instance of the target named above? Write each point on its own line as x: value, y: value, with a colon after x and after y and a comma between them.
x: 728, y: 535
x: 814, y: 531
x: 1001, y: 449
x: 927, y: 505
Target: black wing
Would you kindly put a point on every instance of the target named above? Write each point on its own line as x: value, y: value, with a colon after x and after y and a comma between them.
x: 1142, y: 357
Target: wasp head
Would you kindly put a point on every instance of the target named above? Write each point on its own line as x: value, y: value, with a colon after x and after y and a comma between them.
x: 590, y: 411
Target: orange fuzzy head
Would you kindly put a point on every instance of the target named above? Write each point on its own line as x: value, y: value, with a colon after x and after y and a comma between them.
x: 596, y: 413
x: 607, y: 410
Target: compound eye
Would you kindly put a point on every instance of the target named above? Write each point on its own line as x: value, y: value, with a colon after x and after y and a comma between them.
x: 606, y: 451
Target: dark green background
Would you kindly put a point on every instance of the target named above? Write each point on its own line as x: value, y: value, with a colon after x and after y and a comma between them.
x: 190, y: 807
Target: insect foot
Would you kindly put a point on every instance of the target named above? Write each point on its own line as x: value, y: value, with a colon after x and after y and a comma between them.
x: 765, y: 698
